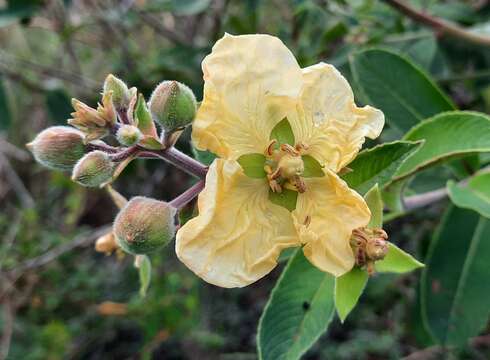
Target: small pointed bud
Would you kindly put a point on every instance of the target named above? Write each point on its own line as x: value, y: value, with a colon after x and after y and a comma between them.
x: 144, y: 225
x: 173, y: 105
x: 94, y: 169
x: 128, y: 135
x: 120, y: 92
x: 58, y: 147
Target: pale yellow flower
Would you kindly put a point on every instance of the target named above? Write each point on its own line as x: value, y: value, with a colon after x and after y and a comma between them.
x: 252, y: 82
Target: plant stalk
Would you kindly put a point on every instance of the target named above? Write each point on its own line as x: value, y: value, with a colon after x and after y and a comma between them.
x: 439, y: 25
x: 187, y: 196
x: 180, y: 160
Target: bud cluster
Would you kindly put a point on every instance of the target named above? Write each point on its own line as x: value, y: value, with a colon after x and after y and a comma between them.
x: 143, y: 224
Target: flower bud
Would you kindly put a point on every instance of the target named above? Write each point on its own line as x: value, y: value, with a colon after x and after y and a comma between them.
x: 173, y: 105
x: 94, y: 169
x: 144, y: 225
x: 128, y: 135
x: 58, y: 147
x: 120, y: 92
x: 106, y: 244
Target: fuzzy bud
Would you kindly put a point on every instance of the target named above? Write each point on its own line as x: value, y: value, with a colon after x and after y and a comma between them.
x: 58, y: 147
x: 144, y: 225
x: 94, y: 169
x: 120, y: 92
x: 128, y: 135
x: 173, y: 105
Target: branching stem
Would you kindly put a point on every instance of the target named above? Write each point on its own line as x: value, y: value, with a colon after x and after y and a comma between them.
x: 171, y: 155
x: 428, y: 198
x: 180, y: 160
x: 439, y: 25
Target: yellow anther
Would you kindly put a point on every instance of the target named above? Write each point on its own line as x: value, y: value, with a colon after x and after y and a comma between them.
x: 289, y: 149
x: 270, y: 148
x: 275, y: 187
x: 300, y: 147
x: 299, y: 183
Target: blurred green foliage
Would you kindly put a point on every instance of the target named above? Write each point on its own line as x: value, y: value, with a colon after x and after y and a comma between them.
x: 52, y: 50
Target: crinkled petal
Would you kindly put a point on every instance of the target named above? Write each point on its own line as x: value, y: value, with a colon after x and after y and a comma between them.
x: 329, y: 121
x: 238, y: 235
x: 250, y: 83
x: 334, y: 211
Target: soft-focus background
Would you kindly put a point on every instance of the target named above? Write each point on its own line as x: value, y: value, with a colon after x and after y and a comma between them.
x: 61, y: 299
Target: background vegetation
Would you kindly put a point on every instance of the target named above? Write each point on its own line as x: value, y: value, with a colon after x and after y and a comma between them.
x: 61, y: 299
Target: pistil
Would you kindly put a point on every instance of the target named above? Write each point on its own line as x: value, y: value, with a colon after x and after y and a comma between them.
x: 285, y: 167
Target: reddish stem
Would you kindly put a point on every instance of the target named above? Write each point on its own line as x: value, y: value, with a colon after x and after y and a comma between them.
x: 187, y: 196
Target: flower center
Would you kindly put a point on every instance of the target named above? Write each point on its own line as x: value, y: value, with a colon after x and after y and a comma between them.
x: 285, y: 167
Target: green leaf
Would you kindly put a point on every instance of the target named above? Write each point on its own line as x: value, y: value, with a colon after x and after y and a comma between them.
x: 283, y: 133
x: 398, y: 87
x: 397, y: 261
x: 149, y: 142
x: 6, y: 117
x: 299, y: 310
x: 446, y: 135
x: 475, y: 195
x: 378, y: 164
x: 143, y: 118
x: 454, y: 285
x: 206, y: 157
x: 145, y: 274
x: 375, y: 204
x: 423, y: 51
x: 392, y: 197
x: 287, y: 198
x: 312, y: 167
x: 348, y: 290
x: 253, y: 165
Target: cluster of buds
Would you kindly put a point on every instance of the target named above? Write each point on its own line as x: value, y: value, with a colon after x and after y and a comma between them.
x: 143, y: 224
x: 369, y: 246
